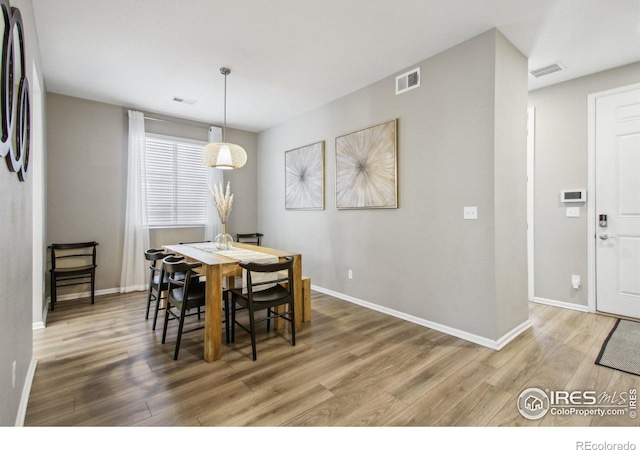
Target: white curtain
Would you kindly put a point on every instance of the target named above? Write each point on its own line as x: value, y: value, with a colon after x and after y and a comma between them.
x: 134, y: 276
x: 214, y: 177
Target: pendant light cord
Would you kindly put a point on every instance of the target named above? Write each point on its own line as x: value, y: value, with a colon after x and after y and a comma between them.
x: 224, y: 71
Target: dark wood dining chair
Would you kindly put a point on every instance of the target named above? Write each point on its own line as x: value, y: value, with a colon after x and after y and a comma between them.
x: 261, y: 294
x: 250, y: 238
x: 72, y: 264
x: 185, y: 292
x: 157, y: 280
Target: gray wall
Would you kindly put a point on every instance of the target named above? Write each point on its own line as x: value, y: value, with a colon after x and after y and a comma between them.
x: 87, y: 170
x: 16, y: 223
x: 561, y: 163
x: 85, y: 179
x: 510, y: 168
x: 455, y: 150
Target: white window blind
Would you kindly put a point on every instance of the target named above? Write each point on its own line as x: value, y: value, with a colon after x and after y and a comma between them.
x: 177, y: 191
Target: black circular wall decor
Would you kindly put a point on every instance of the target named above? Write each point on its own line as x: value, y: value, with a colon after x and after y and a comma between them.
x: 15, y: 103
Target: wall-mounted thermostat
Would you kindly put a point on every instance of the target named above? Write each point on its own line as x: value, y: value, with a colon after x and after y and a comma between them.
x: 573, y: 195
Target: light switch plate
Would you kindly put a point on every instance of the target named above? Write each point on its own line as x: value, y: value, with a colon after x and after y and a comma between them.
x: 573, y: 211
x: 471, y: 212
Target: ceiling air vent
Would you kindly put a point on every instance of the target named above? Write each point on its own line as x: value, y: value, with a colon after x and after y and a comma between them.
x: 542, y: 71
x: 183, y: 100
x: 408, y: 81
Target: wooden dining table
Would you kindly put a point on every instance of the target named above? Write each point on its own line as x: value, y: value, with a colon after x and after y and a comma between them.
x: 216, y: 268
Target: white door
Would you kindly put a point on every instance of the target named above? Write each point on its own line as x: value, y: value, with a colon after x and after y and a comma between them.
x: 617, y: 166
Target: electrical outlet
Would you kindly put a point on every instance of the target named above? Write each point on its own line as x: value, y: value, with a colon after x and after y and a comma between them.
x: 471, y: 212
x: 575, y: 281
x: 13, y: 375
x: 350, y: 274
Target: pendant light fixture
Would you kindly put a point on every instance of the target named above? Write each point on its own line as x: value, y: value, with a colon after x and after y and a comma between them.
x: 223, y: 155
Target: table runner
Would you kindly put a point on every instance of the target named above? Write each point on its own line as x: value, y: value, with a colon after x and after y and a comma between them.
x: 244, y: 255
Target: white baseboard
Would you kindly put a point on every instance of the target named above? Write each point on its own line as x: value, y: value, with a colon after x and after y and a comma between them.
x: 514, y: 333
x: 567, y: 305
x: 480, y: 340
x: 85, y: 294
x: 45, y: 313
x: 26, y: 392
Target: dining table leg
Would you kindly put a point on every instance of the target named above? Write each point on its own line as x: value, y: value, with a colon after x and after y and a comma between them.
x: 213, y: 314
x: 297, y: 297
x: 297, y: 290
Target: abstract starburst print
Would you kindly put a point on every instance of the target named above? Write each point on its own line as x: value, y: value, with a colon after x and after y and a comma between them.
x: 366, y: 168
x: 304, y: 177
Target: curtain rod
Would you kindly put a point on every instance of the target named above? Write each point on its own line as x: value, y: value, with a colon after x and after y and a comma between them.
x: 176, y: 122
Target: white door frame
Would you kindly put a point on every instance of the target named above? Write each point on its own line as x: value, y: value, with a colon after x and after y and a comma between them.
x: 591, y: 177
x: 38, y: 179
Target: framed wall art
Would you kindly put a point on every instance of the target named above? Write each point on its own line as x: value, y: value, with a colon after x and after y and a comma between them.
x: 367, y: 168
x: 304, y: 177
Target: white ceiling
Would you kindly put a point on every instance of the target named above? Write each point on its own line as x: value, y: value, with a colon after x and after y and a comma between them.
x: 291, y: 56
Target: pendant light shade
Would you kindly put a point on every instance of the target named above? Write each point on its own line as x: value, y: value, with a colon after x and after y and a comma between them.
x: 223, y: 155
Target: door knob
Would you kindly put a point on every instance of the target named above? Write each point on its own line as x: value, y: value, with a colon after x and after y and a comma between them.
x: 605, y: 236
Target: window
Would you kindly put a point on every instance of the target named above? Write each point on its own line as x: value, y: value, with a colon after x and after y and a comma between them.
x: 177, y: 191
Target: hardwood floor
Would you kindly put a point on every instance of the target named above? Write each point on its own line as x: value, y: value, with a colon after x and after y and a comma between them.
x: 102, y: 365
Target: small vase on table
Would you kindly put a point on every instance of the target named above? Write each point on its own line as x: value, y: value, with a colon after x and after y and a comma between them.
x: 223, y: 201
x: 224, y: 241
